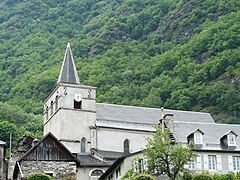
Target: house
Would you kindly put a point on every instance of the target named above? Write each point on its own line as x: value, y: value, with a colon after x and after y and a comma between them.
x: 99, y: 134
x: 2, y: 160
x: 48, y: 156
x: 217, y: 147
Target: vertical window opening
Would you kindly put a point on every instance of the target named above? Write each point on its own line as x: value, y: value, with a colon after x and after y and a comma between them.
x: 51, y: 108
x: 126, y: 146
x: 56, y: 103
x: 46, y: 112
x: 83, y: 145
x: 77, y: 105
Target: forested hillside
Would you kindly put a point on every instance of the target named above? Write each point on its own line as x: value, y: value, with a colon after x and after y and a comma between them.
x: 178, y: 54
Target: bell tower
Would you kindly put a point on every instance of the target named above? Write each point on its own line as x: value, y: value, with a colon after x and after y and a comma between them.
x: 70, y: 109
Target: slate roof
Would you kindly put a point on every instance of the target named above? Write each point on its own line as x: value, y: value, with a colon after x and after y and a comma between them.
x: 90, y: 161
x: 213, y: 132
x: 143, y: 115
x: 108, y: 154
x: 116, y: 164
x: 68, y: 73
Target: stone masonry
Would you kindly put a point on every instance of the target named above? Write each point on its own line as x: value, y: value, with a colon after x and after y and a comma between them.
x: 58, y: 170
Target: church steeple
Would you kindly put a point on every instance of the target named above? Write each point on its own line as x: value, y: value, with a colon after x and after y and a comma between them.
x: 68, y: 72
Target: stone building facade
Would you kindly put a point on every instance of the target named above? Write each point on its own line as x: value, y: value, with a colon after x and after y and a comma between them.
x: 48, y: 156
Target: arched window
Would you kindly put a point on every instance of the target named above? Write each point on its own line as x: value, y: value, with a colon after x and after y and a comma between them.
x: 51, y: 108
x: 126, y: 146
x: 83, y: 145
x: 97, y: 173
x: 46, y: 112
x: 56, y: 103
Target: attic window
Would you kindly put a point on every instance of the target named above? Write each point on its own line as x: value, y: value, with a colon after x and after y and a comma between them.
x: 198, y: 138
x: 231, y: 140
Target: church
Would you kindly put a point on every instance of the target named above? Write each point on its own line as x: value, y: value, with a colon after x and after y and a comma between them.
x: 86, y: 138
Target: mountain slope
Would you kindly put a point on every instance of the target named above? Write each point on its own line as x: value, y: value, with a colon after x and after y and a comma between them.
x: 173, y: 53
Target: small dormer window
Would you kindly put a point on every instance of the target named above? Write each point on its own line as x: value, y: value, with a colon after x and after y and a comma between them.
x: 231, y: 140
x: 198, y: 138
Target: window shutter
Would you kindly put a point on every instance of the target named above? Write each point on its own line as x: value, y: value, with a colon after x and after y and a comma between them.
x: 186, y: 166
x: 135, y: 167
x: 145, y: 168
x: 205, y: 160
x: 199, y: 163
x: 230, y: 163
x: 219, y: 163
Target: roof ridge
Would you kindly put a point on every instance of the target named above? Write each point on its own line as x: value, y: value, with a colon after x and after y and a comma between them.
x: 150, y: 108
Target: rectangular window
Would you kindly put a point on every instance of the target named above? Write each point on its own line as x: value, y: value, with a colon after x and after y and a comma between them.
x: 192, y: 164
x: 236, y: 163
x: 118, y: 172
x: 198, y: 138
x: 212, y: 163
x: 231, y: 140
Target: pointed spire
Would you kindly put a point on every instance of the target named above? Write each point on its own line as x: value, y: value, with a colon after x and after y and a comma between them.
x: 68, y: 72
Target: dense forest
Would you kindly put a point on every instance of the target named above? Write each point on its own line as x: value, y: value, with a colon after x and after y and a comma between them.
x: 177, y: 54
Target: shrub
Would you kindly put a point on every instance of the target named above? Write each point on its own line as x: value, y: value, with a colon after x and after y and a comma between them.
x: 39, y: 176
x: 143, y: 177
x: 203, y: 176
x: 188, y: 175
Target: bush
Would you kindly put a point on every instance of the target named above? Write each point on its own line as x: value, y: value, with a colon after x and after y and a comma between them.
x: 143, y: 177
x: 39, y: 176
x: 203, y: 176
x: 188, y: 175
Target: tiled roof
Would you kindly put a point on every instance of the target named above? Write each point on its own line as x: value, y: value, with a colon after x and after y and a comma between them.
x: 68, y: 73
x: 143, y: 115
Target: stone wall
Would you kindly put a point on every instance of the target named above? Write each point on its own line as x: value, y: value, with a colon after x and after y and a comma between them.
x: 57, y: 169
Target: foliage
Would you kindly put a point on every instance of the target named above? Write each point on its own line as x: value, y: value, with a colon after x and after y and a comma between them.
x: 207, y: 176
x: 129, y: 175
x: 188, y: 175
x: 159, y: 53
x: 203, y: 176
x: 228, y: 176
x: 13, y: 120
x: 166, y: 157
x: 142, y: 176
x: 39, y: 176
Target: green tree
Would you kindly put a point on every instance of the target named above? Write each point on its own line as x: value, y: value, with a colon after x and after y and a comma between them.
x: 166, y: 157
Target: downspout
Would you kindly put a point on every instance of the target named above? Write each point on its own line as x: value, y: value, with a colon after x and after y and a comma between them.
x: 96, y: 137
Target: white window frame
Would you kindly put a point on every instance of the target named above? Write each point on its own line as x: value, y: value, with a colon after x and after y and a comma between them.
x: 236, y: 163
x: 198, y: 138
x: 231, y: 140
x: 212, y: 162
x: 192, y: 164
